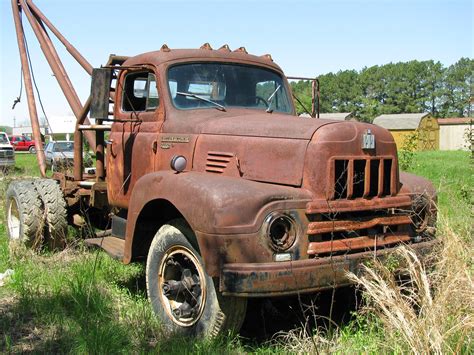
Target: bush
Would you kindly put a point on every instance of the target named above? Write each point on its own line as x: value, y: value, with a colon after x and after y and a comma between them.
x: 406, y: 153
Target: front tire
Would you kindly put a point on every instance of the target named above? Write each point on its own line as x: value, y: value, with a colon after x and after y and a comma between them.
x: 24, y: 214
x: 32, y: 149
x: 182, y: 295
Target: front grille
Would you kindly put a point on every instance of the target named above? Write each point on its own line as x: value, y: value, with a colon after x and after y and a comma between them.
x: 355, y: 231
x: 6, y: 152
x: 361, y: 178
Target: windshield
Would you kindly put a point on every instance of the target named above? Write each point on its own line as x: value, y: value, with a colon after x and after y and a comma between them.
x: 3, y: 138
x: 63, y: 147
x: 215, y: 85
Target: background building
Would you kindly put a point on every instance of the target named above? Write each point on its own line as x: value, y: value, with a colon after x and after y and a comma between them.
x: 455, y: 133
x: 403, y: 125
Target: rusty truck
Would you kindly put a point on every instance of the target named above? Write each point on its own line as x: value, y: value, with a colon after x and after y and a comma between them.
x: 205, y: 172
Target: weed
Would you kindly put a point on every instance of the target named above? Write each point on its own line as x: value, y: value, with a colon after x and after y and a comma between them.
x: 406, y: 153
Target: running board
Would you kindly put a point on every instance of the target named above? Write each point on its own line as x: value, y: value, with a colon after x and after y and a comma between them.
x: 112, y: 246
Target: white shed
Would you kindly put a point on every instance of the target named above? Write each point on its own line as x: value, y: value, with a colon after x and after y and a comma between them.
x: 454, y: 132
x: 27, y: 131
x: 62, y: 126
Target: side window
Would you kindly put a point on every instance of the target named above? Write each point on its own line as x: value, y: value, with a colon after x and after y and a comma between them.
x: 153, y: 98
x: 140, y: 92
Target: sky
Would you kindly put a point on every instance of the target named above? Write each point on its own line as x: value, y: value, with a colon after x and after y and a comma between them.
x: 306, y: 38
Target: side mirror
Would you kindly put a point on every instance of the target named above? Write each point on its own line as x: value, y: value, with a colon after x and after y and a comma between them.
x: 100, y: 91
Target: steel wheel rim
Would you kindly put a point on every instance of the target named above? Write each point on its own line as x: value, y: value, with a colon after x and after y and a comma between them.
x: 13, y: 219
x: 194, y: 295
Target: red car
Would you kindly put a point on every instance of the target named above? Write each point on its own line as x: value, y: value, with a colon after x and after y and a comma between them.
x: 23, y: 143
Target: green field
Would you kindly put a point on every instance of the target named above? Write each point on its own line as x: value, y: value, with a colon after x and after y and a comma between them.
x: 82, y: 301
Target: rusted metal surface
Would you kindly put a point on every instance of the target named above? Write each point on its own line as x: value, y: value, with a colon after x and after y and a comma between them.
x: 324, y: 206
x: 288, y: 278
x: 344, y: 225
x: 69, y: 47
x: 78, y: 142
x: 113, y: 246
x: 55, y: 63
x: 356, y: 243
x: 29, y: 88
x: 235, y: 157
x: 185, y: 191
x: 315, y: 94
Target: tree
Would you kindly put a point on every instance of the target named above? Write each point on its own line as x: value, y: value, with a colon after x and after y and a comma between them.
x: 414, y: 86
x: 458, y: 88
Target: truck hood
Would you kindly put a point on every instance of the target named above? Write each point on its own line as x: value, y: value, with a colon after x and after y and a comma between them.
x: 263, y: 147
x: 4, y: 145
x: 63, y: 155
x: 266, y: 125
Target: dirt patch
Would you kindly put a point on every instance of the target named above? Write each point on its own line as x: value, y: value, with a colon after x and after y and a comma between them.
x: 21, y: 334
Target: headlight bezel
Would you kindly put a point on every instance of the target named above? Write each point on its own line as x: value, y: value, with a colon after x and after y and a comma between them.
x: 281, y: 229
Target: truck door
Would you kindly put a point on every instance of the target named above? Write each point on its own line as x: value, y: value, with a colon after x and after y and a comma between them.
x: 133, y: 139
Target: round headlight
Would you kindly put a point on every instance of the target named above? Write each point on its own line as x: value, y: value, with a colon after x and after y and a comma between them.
x: 178, y: 163
x: 281, y: 231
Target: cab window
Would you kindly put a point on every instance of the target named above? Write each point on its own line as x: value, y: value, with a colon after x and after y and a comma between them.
x: 140, y: 92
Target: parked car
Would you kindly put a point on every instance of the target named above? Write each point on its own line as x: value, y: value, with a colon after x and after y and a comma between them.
x: 23, y: 144
x: 59, y: 154
x: 7, y: 155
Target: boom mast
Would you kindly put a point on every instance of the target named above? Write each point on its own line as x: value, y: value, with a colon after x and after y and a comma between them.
x: 37, y: 22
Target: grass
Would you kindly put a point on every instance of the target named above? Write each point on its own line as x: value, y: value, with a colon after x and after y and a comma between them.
x: 453, y: 176
x: 82, y: 301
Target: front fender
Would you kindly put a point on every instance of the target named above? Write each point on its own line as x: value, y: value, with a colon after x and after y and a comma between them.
x: 211, y: 204
x: 413, y: 184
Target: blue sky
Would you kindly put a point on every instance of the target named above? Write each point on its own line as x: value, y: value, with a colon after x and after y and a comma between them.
x: 305, y: 38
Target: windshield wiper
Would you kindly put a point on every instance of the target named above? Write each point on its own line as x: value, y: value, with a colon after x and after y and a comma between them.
x: 218, y: 106
x: 270, y: 99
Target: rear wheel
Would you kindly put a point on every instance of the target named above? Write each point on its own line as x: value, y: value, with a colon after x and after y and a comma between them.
x: 24, y: 214
x: 183, y: 296
x: 32, y: 149
x: 55, y: 213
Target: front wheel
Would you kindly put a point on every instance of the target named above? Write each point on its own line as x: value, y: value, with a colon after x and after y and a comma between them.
x: 182, y: 295
x: 32, y: 149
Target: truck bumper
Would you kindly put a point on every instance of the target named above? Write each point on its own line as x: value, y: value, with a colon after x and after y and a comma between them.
x: 5, y: 162
x: 300, y: 276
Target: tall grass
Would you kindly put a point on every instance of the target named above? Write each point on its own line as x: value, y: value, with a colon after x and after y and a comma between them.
x: 413, y: 305
x: 431, y: 308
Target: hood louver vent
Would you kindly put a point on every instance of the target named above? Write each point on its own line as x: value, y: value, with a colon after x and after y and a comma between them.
x: 217, y: 162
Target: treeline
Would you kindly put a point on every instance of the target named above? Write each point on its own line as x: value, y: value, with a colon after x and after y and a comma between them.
x: 414, y: 86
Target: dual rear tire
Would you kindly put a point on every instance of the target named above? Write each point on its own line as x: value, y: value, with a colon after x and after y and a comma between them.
x: 36, y: 214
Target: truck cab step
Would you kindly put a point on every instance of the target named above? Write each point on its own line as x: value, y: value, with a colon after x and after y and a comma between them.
x: 112, y: 245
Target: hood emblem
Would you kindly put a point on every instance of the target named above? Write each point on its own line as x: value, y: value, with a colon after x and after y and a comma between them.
x: 368, y: 140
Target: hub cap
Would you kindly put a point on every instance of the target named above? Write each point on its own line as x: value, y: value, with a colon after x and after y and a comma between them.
x: 182, y: 285
x: 13, y: 220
